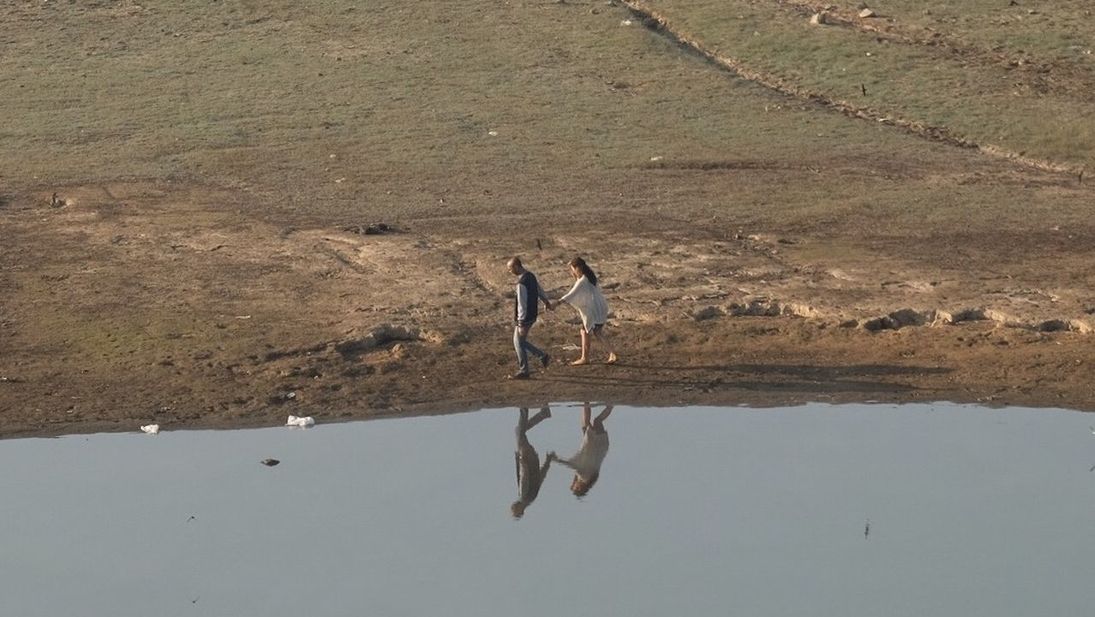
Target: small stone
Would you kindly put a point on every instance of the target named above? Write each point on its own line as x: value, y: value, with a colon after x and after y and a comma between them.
x: 819, y: 19
x: 865, y: 13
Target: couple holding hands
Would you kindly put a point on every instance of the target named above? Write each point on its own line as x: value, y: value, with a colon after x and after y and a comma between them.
x: 585, y: 296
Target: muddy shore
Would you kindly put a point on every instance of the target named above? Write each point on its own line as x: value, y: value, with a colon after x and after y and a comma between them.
x: 136, y: 303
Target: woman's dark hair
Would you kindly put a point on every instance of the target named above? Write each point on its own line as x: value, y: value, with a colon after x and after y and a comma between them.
x: 584, y: 489
x: 584, y: 268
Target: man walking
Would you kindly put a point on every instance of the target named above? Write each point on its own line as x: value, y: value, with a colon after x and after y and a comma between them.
x: 525, y: 310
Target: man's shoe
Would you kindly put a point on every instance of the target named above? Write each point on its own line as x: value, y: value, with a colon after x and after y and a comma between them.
x: 519, y: 376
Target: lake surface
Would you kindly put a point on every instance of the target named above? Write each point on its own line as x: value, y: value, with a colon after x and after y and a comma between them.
x: 815, y: 510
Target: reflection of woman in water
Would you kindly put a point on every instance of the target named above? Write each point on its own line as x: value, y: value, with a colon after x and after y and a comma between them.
x: 530, y: 475
x: 586, y: 463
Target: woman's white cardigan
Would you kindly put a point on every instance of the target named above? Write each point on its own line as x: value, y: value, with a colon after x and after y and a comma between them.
x: 590, y: 302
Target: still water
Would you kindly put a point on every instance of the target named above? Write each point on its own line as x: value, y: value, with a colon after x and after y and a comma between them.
x: 815, y: 510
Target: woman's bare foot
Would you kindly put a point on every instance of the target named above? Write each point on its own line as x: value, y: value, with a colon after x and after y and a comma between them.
x: 579, y: 362
x: 611, y: 359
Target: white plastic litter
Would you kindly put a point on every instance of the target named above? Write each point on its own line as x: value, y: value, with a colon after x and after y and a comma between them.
x: 304, y: 422
x: 151, y: 429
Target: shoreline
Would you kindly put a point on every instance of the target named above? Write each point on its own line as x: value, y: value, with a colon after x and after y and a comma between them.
x: 173, y: 309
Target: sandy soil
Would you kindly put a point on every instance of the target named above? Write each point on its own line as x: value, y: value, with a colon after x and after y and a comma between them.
x: 132, y: 303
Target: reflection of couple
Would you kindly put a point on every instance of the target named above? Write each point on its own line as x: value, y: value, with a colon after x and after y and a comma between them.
x: 586, y: 462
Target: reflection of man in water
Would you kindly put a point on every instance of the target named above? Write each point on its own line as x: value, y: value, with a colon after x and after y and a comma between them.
x: 530, y: 475
x: 586, y: 463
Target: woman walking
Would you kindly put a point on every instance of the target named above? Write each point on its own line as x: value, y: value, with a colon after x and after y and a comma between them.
x: 586, y: 296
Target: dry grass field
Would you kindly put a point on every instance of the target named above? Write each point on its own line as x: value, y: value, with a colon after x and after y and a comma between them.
x: 889, y: 207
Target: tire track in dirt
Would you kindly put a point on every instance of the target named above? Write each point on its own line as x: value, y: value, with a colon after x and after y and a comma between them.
x: 657, y: 22
x: 465, y: 269
x: 1037, y: 75
x: 1041, y: 75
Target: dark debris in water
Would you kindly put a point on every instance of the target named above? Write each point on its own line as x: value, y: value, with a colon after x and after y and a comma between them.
x: 270, y: 462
